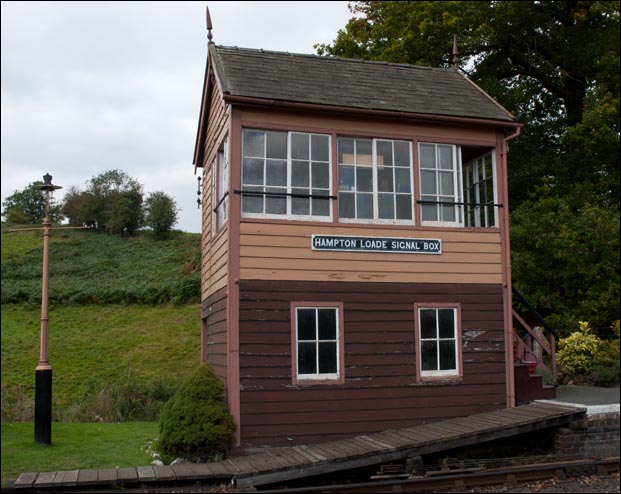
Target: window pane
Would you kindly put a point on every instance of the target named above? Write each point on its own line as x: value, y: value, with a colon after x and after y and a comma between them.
x: 364, y: 179
x: 384, y: 153
x: 321, y: 175
x: 300, y: 205
x: 447, y: 186
x: 428, y: 323
x: 276, y: 173
x: 254, y: 144
x: 402, y: 179
x: 306, y: 324
x: 299, y: 146
x: 448, y: 213
x: 429, y: 212
x: 385, y: 180
x: 427, y: 156
x: 327, y: 324
x: 429, y: 355
x: 346, y: 177
x: 402, y: 153
x: 321, y: 207
x: 364, y: 203
x: 346, y: 151
x: 364, y: 150
x: 252, y: 204
x: 404, y: 207
x: 446, y: 321
x: 428, y: 182
x: 299, y: 174
x: 276, y: 145
x: 252, y: 172
x: 307, y: 358
x: 276, y: 205
x: 445, y: 156
x: 327, y: 358
x: 347, y: 207
x: 447, y: 355
x: 386, y: 206
x: 320, y: 150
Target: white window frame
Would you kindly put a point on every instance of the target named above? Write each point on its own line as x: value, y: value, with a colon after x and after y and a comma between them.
x: 288, y: 215
x: 457, y: 186
x: 477, y: 165
x: 220, y: 178
x: 317, y: 378
x: 455, y: 373
x: 375, y: 193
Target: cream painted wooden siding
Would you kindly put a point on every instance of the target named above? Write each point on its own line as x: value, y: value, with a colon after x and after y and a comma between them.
x: 273, y: 251
x: 214, y: 245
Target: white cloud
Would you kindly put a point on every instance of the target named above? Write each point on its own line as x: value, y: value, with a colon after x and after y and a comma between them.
x: 95, y: 86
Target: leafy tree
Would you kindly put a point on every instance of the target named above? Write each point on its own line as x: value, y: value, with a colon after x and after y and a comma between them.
x: 160, y: 213
x: 555, y: 65
x: 112, y: 203
x: 28, y: 206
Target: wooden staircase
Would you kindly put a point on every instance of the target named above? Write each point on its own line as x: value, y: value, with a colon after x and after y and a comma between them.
x: 534, y: 355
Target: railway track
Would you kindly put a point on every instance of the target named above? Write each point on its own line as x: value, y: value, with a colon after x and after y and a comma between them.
x: 459, y: 481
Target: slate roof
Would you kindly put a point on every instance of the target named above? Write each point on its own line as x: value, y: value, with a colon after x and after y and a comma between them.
x: 351, y: 83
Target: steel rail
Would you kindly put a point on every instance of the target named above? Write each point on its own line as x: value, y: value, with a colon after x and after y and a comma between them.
x: 445, y: 483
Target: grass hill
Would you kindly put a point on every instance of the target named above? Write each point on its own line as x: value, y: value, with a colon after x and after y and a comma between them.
x: 124, y: 322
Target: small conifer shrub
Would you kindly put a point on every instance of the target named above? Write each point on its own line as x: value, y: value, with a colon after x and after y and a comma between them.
x: 195, y: 423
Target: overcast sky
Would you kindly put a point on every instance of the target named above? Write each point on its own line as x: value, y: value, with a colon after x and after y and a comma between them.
x: 94, y: 86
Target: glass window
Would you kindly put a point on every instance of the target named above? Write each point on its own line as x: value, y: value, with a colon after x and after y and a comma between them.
x: 286, y: 174
x: 317, y: 340
x: 221, y: 186
x: 440, y: 188
x: 479, y: 192
x: 374, y: 180
x: 438, y: 342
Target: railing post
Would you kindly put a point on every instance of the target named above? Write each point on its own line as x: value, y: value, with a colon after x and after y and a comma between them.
x: 552, y: 340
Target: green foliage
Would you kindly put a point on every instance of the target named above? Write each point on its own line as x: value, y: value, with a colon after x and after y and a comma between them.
x: 592, y: 359
x: 92, y: 268
x: 577, y: 352
x: 196, y: 423
x: 28, y: 206
x: 112, y: 203
x: 566, y: 260
x: 160, y: 214
x: 120, y: 362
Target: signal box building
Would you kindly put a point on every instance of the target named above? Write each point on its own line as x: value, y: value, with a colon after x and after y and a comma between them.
x: 355, y: 272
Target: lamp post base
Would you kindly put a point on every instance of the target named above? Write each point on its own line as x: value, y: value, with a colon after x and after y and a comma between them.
x: 43, y: 406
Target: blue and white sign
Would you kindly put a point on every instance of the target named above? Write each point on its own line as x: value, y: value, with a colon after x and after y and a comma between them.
x: 377, y: 244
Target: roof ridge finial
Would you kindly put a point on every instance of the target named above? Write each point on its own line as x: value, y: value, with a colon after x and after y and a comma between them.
x: 209, y: 27
x: 455, y: 54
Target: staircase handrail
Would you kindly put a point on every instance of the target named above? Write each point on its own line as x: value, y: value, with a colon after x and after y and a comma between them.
x: 539, y: 318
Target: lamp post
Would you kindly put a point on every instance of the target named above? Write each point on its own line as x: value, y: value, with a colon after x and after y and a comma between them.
x: 43, y: 371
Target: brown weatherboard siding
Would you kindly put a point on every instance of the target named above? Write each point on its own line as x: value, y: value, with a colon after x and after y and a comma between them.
x: 214, y: 309
x: 380, y: 390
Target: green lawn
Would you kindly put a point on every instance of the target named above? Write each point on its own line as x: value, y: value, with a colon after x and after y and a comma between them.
x: 75, y: 446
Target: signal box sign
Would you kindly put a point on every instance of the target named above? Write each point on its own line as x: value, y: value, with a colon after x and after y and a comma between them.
x: 377, y: 244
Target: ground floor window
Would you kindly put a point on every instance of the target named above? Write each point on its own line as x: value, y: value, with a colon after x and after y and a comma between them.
x: 317, y: 342
x: 439, y: 342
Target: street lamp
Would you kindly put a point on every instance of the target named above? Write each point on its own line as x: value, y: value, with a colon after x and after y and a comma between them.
x: 43, y: 371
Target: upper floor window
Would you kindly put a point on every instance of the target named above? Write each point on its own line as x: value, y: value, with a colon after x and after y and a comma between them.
x: 440, y: 187
x: 375, y: 182
x: 479, y: 192
x: 286, y: 174
x: 221, y: 185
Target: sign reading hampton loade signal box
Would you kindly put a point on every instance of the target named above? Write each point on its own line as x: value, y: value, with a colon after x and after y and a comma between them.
x: 377, y: 244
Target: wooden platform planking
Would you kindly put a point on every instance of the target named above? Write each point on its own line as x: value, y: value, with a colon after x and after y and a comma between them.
x: 288, y: 463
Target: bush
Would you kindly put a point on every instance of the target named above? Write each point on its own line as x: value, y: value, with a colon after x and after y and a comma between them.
x: 577, y: 351
x: 195, y: 423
